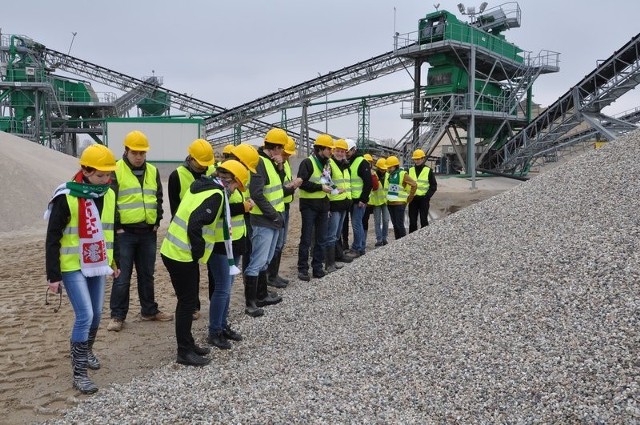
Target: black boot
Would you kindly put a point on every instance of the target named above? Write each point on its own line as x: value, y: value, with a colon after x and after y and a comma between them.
x: 340, y: 254
x: 264, y: 296
x: 330, y: 260
x: 92, y: 360
x: 272, y: 272
x: 81, y: 381
x: 218, y: 340
x: 250, y: 295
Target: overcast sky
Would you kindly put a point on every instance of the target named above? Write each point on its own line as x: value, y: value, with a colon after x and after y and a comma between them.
x: 231, y: 52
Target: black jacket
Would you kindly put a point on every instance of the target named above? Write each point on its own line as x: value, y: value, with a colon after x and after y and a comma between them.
x: 305, y: 171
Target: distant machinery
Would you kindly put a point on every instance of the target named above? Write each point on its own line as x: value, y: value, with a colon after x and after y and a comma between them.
x: 478, y: 83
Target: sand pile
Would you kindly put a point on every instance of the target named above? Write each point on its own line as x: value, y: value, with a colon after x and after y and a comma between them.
x: 29, y: 172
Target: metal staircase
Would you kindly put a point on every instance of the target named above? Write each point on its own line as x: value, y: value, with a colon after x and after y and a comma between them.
x: 135, y: 95
x: 584, y: 102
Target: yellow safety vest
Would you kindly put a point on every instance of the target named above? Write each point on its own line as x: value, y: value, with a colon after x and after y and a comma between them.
x: 238, y: 228
x: 422, y: 180
x: 186, y: 178
x: 356, y: 182
x: 341, y: 180
x: 287, y: 178
x: 136, y: 203
x: 315, y: 178
x: 70, y: 241
x: 396, y: 192
x: 379, y: 197
x: 176, y: 245
x: 273, y: 191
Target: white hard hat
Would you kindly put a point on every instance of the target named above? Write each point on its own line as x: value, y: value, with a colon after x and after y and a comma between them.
x: 351, y: 144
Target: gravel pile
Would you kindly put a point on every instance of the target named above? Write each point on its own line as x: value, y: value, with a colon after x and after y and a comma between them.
x: 524, y: 308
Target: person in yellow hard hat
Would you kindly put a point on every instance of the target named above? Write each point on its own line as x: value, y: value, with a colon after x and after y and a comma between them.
x: 220, y: 281
x: 81, y: 250
x: 361, y: 185
x: 198, y: 163
x: 273, y: 277
x: 138, y: 214
x: 315, y: 173
x: 191, y: 239
x: 378, y: 200
x: 226, y: 152
x: 267, y: 218
x: 400, y: 189
x: 339, y: 204
x: 427, y: 186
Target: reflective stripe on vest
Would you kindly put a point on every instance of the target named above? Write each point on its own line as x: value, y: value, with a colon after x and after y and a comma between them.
x: 396, y: 192
x: 136, y: 203
x: 176, y: 245
x: 288, y: 177
x: 422, y: 180
x: 273, y: 191
x: 186, y: 178
x: 315, y: 178
x: 238, y: 228
x: 356, y: 181
x: 341, y: 180
x: 70, y: 241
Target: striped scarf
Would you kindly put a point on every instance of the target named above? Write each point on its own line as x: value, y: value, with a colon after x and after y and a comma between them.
x: 227, y: 229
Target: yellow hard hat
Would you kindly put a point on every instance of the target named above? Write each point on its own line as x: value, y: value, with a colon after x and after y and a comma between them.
x: 341, y: 144
x: 247, y: 154
x: 392, y: 161
x: 277, y: 136
x: 368, y: 157
x: 99, y: 157
x: 227, y: 149
x: 238, y: 170
x: 324, y: 140
x: 381, y: 164
x: 418, y: 154
x: 290, y: 147
x: 202, y: 152
x: 136, y: 141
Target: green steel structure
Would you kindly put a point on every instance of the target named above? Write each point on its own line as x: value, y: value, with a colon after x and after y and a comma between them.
x: 478, y: 85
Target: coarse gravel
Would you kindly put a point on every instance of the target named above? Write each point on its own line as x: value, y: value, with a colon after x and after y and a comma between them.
x: 523, y: 308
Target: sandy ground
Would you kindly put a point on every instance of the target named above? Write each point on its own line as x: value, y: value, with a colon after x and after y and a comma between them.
x: 35, y: 373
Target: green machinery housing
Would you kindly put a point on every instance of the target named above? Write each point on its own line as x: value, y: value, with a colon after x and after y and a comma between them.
x: 456, y: 51
x: 38, y: 104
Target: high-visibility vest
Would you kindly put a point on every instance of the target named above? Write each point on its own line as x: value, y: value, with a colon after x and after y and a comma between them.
x: 70, y: 241
x: 378, y: 197
x: 396, y: 192
x: 341, y: 180
x: 356, y: 182
x: 238, y: 227
x: 137, y: 203
x: 288, y: 177
x: 176, y: 245
x: 316, y: 177
x: 186, y: 178
x: 422, y: 180
x: 273, y: 191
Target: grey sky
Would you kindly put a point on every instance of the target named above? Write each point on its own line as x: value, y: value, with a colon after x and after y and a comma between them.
x: 231, y: 52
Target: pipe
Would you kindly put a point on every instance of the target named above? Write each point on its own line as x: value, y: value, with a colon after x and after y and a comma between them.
x: 496, y: 173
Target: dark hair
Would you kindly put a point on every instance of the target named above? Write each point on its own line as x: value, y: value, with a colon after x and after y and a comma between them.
x: 88, y: 169
x: 269, y: 145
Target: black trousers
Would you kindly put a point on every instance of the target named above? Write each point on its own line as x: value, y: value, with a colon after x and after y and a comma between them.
x: 419, y: 206
x: 185, y: 278
x: 396, y: 214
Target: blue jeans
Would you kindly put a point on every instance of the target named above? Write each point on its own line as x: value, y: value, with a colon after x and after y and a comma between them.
x: 313, y: 233
x: 336, y: 220
x: 282, y: 235
x: 381, y: 222
x: 359, y: 236
x: 219, y: 306
x: 86, y: 295
x: 138, y: 250
x: 263, y: 245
